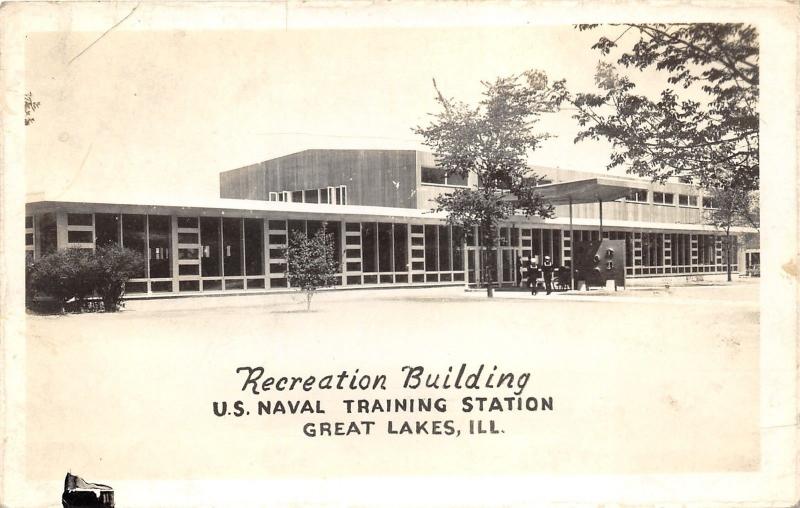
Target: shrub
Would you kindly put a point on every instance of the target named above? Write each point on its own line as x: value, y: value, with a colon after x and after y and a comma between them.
x: 64, y: 275
x: 114, y: 266
x: 79, y: 273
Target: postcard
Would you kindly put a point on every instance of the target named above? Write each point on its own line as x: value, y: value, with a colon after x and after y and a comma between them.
x: 399, y: 254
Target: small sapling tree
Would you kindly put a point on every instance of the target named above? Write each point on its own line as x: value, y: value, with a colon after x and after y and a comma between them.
x: 311, y: 262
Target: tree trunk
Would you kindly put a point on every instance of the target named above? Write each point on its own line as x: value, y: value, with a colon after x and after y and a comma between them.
x: 728, y: 253
x: 489, y: 282
x: 309, y: 294
x: 486, y: 273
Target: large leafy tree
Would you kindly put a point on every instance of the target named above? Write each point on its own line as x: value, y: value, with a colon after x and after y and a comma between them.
x: 491, y: 141
x: 703, y: 125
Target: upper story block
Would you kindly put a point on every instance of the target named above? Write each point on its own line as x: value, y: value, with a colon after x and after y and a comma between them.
x: 410, y: 179
x: 393, y: 178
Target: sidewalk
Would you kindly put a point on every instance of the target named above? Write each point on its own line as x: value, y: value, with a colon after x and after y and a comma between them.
x: 745, y: 294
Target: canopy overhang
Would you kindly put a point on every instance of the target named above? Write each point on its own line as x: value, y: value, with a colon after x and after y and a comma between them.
x: 590, y: 190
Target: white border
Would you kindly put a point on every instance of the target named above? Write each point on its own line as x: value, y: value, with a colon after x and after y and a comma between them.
x: 774, y: 485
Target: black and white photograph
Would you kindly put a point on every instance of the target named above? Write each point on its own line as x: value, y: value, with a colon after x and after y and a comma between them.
x: 399, y: 254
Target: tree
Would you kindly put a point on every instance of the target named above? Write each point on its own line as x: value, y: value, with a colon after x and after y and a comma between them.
x: 491, y: 142
x: 707, y: 137
x: 311, y: 262
x: 114, y: 266
x: 730, y: 207
x: 30, y: 107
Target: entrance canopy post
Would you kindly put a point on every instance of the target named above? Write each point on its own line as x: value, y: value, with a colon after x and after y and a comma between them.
x: 600, y: 201
x: 571, y: 249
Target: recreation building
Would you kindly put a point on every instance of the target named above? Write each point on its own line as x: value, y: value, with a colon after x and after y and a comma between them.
x: 376, y: 204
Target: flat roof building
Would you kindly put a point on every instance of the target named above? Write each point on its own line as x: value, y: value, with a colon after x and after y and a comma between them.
x: 377, y: 203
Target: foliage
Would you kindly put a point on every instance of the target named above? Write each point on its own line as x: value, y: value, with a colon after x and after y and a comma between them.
x: 491, y: 142
x: 76, y: 274
x: 65, y: 275
x: 311, y: 262
x: 732, y: 207
x: 30, y: 107
x: 114, y: 266
x: 707, y: 134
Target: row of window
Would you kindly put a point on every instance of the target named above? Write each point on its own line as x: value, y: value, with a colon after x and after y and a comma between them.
x: 668, y: 198
x: 234, y: 253
x: 214, y: 247
x: 326, y: 195
x: 439, y: 176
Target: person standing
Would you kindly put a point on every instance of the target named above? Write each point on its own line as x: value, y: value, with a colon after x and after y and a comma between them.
x: 547, y: 271
x: 533, y: 274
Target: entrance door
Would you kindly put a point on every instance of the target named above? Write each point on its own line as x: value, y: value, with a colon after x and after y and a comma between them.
x: 509, y: 260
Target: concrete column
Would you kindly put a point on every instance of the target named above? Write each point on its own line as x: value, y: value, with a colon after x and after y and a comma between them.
x: 343, y: 249
x: 61, y: 230
x: 173, y: 226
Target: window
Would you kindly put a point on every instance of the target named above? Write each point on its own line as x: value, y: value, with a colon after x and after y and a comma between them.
x: 663, y: 198
x: 187, y: 222
x: 637, y: 196
x: 334, y: 229
x: 433, y: 175
x: 106, y: 229
x: 458, y: 255
x: 709, y: 202
x: 687, y: 200
x: 439, y: 177
x: 210, y: 238
x: 133, y: 235
x: 444, y: 248
x: 400, y: 247
x: 160, y: 239
x: 253, y: 246
x: 385, y: 247
x: 79, y: 237
x: 188, y: 238
x: 431, y: 248
x: 79, y: 219
x: 232, y: 247
x: 369, y: 244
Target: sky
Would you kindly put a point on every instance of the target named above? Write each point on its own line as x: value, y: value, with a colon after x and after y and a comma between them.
x: 161, y: 113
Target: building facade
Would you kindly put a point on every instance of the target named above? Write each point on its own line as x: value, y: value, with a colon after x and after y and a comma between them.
x: 376, y: 204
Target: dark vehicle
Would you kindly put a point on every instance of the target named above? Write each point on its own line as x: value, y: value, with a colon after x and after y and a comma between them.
x: 79, y: 493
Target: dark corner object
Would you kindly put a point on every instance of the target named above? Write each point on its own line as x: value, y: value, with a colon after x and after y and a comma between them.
x: 80, y: 493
